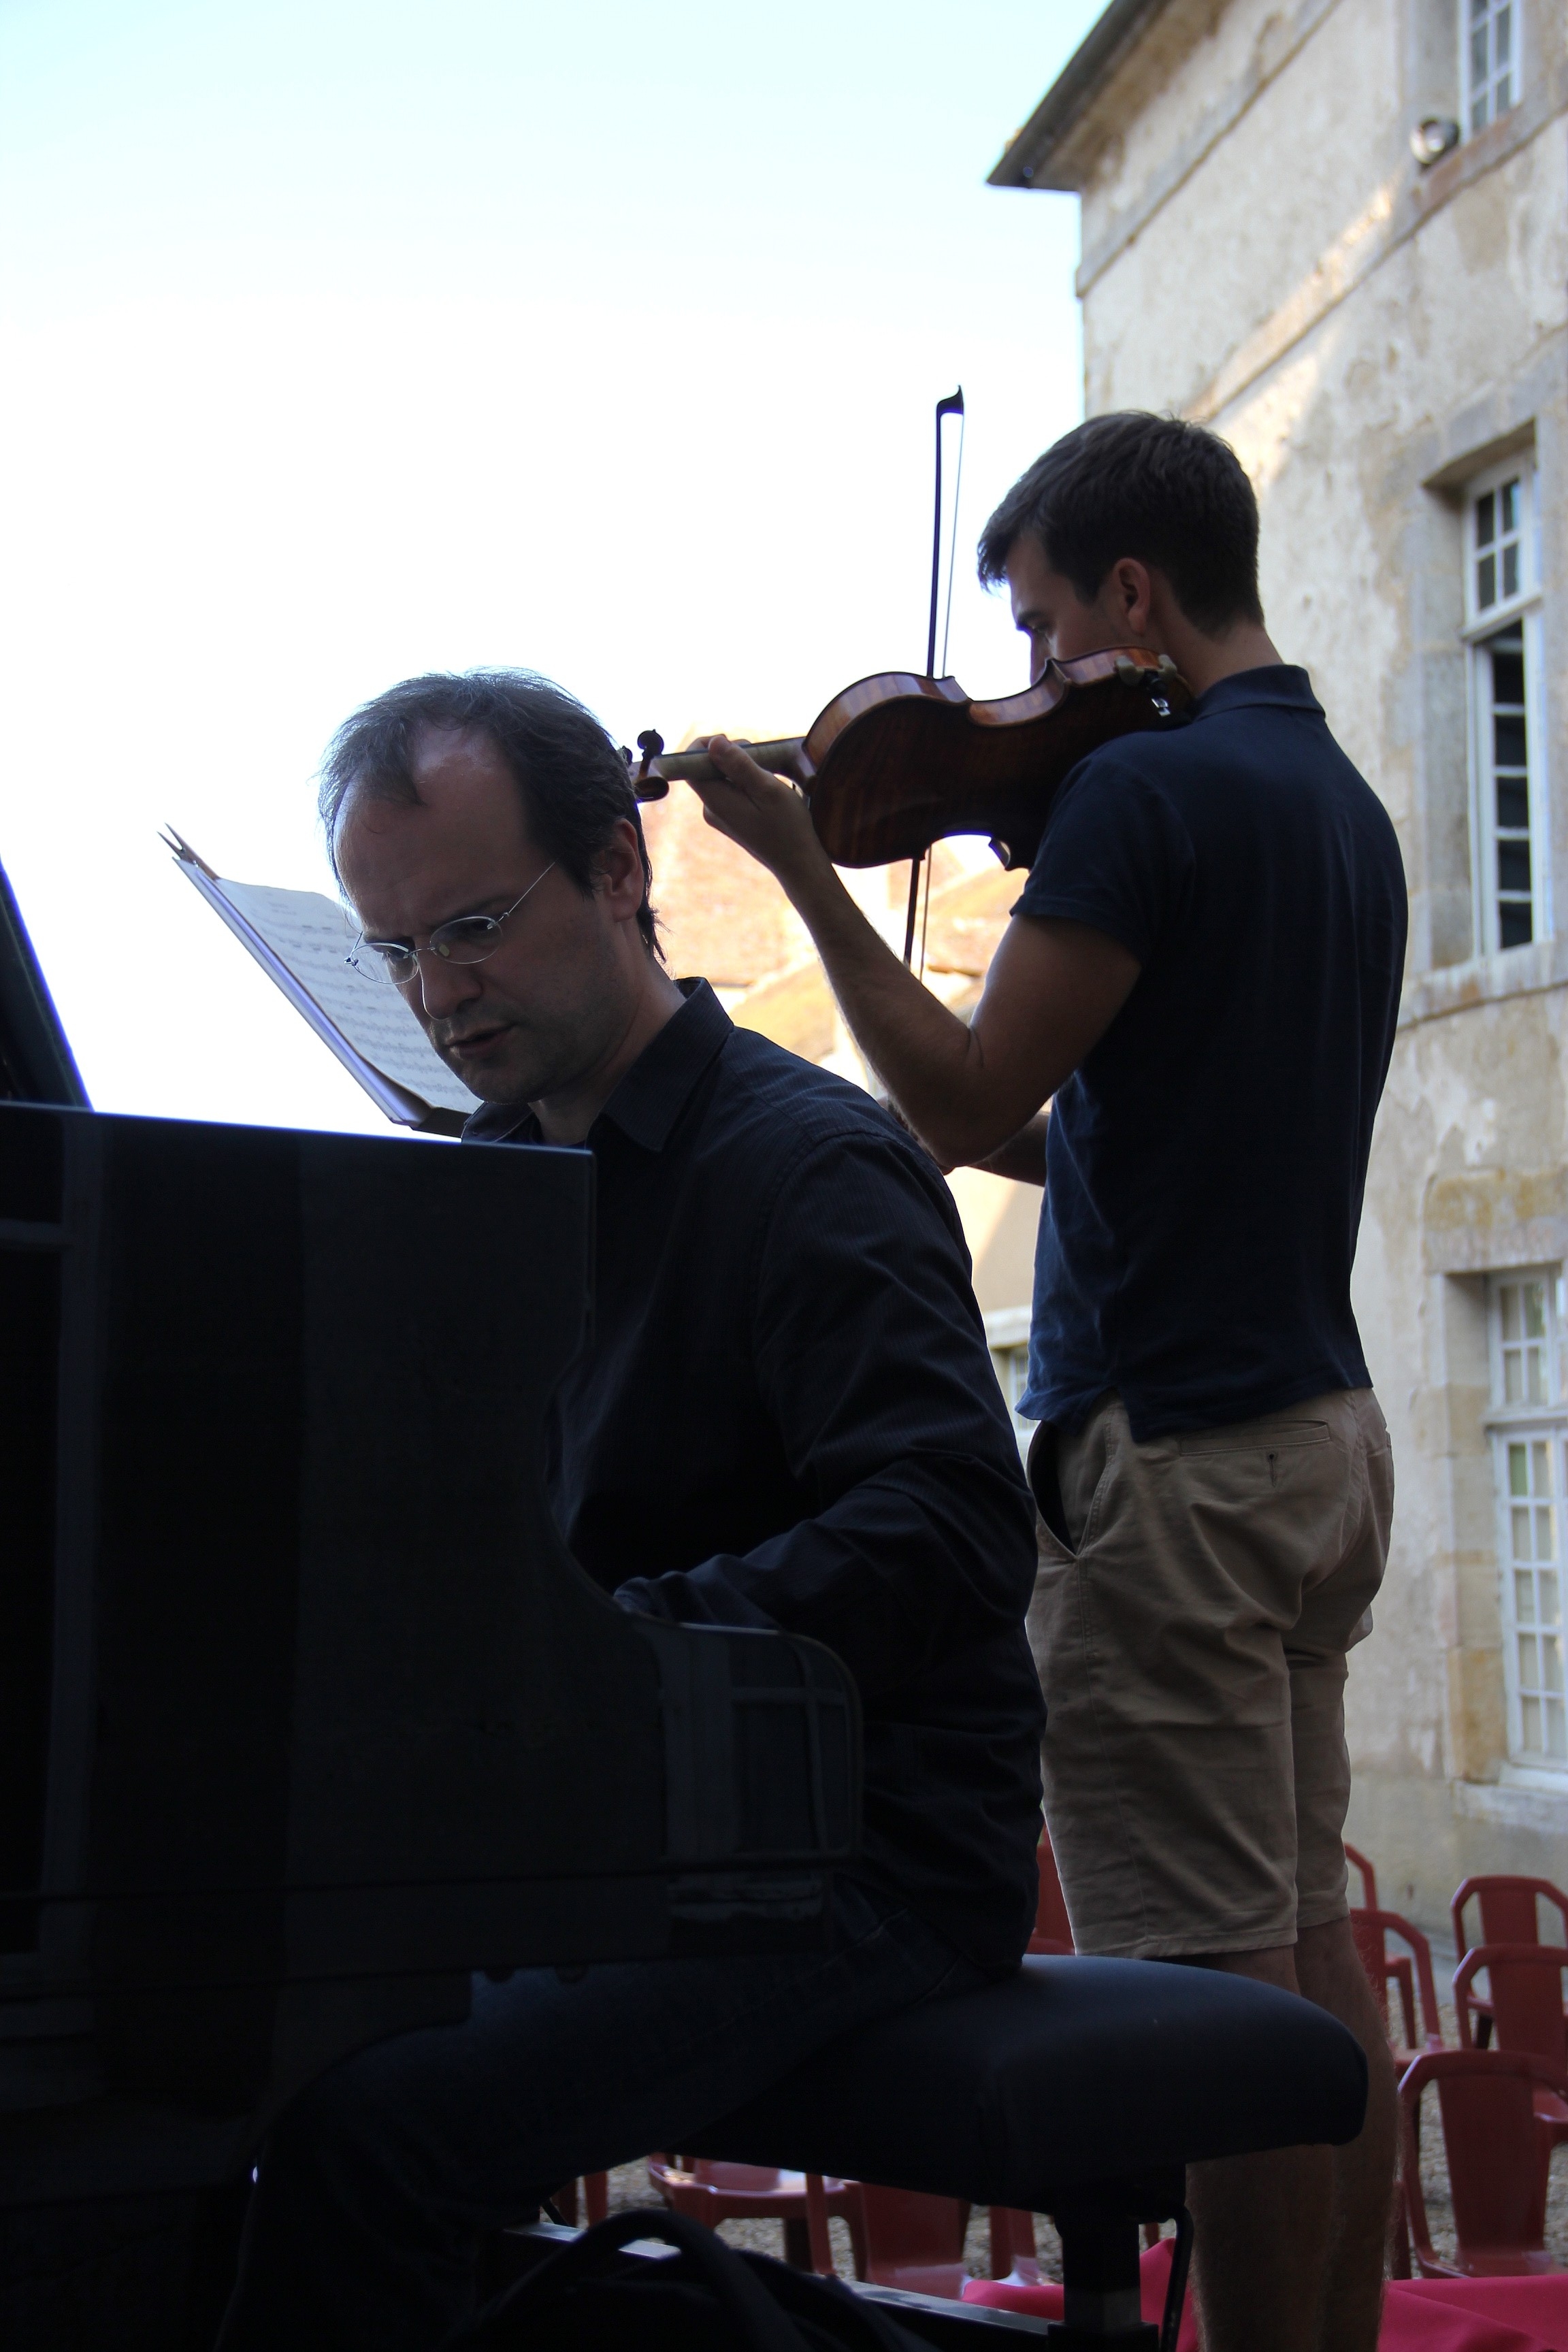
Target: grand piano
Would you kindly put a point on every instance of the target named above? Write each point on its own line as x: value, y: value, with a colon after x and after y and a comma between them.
x: 305, y: 1711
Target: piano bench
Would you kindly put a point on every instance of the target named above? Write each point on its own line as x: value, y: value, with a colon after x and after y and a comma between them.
x: 1078, y: 2088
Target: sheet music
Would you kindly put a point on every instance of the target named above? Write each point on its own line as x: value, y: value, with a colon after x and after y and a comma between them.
x: 301, y: 938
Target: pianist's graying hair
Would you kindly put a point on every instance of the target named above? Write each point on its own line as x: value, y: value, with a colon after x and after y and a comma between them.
x: 573, y: 782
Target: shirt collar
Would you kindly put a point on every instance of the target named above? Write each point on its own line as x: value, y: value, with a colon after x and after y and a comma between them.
x: 1282, y: 684
x: 651, y: 1096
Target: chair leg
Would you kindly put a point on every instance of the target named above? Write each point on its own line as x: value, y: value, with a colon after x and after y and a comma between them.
x: 1399, y: 2234
x: 1009, y: 2235
x: 819, y: 2245
x: 797, y: 2242
x: 1100, y: 2284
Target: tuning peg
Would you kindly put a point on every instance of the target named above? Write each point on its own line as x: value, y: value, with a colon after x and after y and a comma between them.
x: 644, y: 783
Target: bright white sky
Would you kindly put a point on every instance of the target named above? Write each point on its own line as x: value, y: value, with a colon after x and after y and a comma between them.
x: 351, y: 337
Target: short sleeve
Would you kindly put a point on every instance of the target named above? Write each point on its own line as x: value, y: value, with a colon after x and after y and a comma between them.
x: 1116, y: 855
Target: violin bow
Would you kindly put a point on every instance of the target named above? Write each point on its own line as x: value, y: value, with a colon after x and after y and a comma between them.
x: 951, y: 406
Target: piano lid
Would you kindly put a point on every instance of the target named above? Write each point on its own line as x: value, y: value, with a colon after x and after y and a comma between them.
x: 37, y: 1064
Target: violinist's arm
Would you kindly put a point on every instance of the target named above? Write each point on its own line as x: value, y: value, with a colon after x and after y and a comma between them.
x: 969, y: 1089
x: 1023, y: 1156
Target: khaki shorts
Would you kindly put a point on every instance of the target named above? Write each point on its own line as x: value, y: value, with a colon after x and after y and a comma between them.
x: 1191, y: 1645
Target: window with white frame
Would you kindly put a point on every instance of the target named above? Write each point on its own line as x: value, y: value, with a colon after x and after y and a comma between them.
x: 1488, y: 41
x: 1501, y: 565
x: 1529, y: 1425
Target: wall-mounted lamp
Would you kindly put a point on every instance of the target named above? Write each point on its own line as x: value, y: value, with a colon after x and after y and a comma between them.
x: 1433, y: 137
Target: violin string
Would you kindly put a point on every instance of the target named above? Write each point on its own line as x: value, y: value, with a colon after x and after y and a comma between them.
x: 952, y: 546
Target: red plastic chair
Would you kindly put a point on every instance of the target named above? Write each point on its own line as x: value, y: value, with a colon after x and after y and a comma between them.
x: 1526, y: 2018
x: 905, y: 2240
x: 1487, y: 2098
x: 1015, y: 2255
x: 1053, y: 1929
x: 712, y: 2190
x: 1368, y: 1875
x: 596, y: 2187
x: 1410, y: 1971
x: 1509, y: 1909
x: 1398, y: 1963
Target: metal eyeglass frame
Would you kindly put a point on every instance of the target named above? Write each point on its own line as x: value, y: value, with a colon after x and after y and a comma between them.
x: 466, y: 928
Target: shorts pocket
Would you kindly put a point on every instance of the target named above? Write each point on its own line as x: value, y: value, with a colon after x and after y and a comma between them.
x: 1287, y: 1436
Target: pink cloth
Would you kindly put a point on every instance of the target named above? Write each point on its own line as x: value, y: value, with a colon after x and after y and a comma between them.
x: 1502, y: 2314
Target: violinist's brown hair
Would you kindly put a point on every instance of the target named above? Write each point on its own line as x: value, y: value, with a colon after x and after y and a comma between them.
x: 1170, y: 493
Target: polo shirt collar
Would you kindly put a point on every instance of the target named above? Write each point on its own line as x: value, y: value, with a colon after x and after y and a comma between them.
x: 1283, y: 685
x: 653, y: 1092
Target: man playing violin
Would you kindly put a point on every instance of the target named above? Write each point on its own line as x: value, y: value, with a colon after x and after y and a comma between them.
x: 1182, y: 1038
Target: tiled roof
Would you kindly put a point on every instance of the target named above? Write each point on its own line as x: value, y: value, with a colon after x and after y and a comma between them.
x: 968, y: 916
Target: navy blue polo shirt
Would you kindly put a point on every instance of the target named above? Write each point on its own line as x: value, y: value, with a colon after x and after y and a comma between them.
x: 1205, y: 1163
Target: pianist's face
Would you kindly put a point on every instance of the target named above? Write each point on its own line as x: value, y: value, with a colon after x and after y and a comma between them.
x: 530, y: 1020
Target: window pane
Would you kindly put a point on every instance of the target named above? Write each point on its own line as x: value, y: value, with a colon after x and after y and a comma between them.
x: 1530, y: 1724
x: 1508, y: 739
x: 1508, y: 675
x: 1513, y: 866
x: 1512, y: 805
x: 1533, y: 1298
x: 1529, y: 1662
x: 1486, y: 580
x: 1516, y: 927
x: 1545, y: 1548
x: 1556, y: 1730
x: 1508, y: 1299
x: 1520, y: 1515
x: 1548, y: 1595
x: 1552, y: 1663
x: 1535, y: 1390
x: 1486, y: 518
x: 1502, y: 46
x: 1524, y: 1596
x: 1510, y: 569
x: 1507, y: 506
x: 1517, y: 1471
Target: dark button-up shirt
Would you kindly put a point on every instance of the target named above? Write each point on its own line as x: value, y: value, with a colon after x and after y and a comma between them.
x: 786, y: 1416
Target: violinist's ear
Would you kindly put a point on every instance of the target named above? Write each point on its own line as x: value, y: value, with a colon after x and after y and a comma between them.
x: 1130, y: 590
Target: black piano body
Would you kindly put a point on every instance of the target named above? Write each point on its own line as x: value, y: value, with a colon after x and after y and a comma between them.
x: 305, y: 1711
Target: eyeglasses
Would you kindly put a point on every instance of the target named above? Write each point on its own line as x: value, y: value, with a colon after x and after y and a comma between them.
x: 468, y: 938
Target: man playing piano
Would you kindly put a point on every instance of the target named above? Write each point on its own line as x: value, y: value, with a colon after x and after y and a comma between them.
x: 786, y: 1417
x: 1202, y: 970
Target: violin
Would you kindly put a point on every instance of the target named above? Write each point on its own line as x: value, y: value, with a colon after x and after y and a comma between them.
x: 897, y: 762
